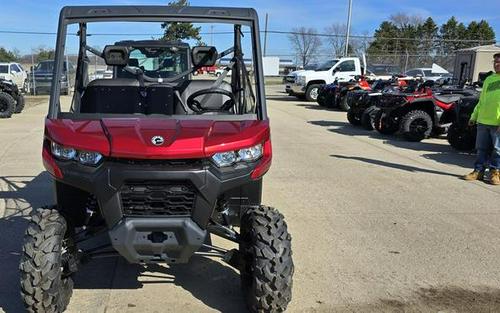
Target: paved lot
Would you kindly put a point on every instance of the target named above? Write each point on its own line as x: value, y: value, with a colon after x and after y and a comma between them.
x: 378, y: 225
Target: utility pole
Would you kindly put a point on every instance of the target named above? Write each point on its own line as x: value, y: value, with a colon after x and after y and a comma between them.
x: 265, y: 35
x: 348, y: 29
x: 211, y: 35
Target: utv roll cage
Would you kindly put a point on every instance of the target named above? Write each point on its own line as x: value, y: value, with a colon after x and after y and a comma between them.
x: 82, y: 15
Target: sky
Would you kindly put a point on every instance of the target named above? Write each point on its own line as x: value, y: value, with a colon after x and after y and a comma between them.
x: 42, y: 16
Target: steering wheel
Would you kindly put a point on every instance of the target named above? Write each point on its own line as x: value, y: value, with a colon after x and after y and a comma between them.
x: 196, y: 106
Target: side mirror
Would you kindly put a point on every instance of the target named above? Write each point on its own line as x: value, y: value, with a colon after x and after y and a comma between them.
x: 204, y: 56
x: 116, y: 55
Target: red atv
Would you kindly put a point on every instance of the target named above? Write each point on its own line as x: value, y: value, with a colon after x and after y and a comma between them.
x: 418, y: 113
x: 158, y: 162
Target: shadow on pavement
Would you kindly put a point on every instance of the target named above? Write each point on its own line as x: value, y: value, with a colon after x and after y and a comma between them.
x: 441, y: 153
x: 402, y: 167
x: 216, y: 285
x: 433, y: 299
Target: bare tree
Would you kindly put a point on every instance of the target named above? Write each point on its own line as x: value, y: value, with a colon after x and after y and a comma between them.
x: 403, y: 20
x: 336, y: 41
x: 306, y: 43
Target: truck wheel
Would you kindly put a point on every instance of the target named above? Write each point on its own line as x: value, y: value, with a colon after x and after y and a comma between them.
x: 312, y: 92
x: 416, y: 125
x: 266, y: 276
x: 367, y: 118
x: 20, y: 104
x: 462, y: 138
x: 383, y: 124
x: 46, y: 283
x: 353, y: 118
x: 7, y: 105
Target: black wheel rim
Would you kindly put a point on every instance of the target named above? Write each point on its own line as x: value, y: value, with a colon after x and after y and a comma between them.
x: 419, y: 126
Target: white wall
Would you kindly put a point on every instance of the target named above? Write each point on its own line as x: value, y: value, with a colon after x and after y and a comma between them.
x: 271, y: 66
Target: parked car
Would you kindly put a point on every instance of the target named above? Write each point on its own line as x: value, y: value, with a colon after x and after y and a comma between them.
x: 382, y: 71
x: 433, y: 73
x: 11, y: 99
x: 307, y: 83
x: 15, y: 73
x: 42, y: 74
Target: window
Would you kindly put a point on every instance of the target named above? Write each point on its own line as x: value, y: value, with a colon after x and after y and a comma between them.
x: 13, y: 68
x: 412, y: 73
x: 4, y: 69
x: 347, y: 66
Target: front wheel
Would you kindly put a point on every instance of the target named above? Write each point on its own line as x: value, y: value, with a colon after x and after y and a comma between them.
x: 344, y: 103
x: 20, y: 104
x: 312, y: 92
x: 368, y: 116
x: 266, y: 275
x: 46, y: 283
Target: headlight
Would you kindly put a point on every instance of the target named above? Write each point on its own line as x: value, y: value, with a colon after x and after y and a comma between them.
x: 300, y: 80
x: 229, y: 158
x: 67, y: 154
x: 61, y: 152
x: 89, y: 158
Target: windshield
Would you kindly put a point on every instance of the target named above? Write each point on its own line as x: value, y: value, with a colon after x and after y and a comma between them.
x: 429, y: 73
x: 158, y: 62
x: 164, y: 75
x: 326, y: 66
x: 45, y: 66
x: 4, y: 69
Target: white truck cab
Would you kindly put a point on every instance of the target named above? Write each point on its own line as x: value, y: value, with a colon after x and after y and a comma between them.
x: 15, y: 73
x: 307, y: 83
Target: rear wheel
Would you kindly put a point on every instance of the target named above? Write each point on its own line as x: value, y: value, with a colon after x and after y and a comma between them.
x: 46, y: 283
x: 312, y: 92
x: 383, y: 124
x: 353, y: 118
x: 7, y: 105
x: 416, y: 125
x: 367, y: 118
x: 266, y: 275
x: 462, y: 138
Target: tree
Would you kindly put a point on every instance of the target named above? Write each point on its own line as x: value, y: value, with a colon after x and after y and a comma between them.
x: 305, y: 42
x: 448, y: 33
x: 8, y: 56
x: 383, y: 42
x: 174, y: 31
x: 43, y: 53
x: 482, y: 32
x: 337, y: 40
x: 428, y: 32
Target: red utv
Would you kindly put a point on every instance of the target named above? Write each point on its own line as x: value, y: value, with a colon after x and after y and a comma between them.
x: 158, y: 161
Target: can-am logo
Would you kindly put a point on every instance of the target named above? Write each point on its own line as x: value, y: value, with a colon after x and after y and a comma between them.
x: 157, y: 140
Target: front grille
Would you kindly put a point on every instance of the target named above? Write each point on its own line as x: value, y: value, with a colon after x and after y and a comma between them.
x: 290, y: 79
x: 157, y: 199
x: 192, y: 163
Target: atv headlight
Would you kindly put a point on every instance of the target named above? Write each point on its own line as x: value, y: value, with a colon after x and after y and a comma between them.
x: 89, y: 157
x: 64, y: 153
x: 250, y: 154
x: 224, y: 158
x: 229, y: 158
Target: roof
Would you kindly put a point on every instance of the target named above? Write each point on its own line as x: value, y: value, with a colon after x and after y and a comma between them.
x: 151, y: 12
x: 492, y: 48
x: 151, y: 43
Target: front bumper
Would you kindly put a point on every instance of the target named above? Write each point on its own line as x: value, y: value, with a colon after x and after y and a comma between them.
x: 172, y: 238
x: 296, y: 89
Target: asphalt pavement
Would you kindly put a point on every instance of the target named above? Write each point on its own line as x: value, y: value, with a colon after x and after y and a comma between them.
x: 378, y: 225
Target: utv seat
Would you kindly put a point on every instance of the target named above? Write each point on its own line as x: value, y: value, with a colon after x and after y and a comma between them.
x: 210, y: 101
x: 448, y: 98
x: 126, y: 96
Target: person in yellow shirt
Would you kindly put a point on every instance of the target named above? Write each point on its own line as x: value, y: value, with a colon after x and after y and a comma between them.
x: 487, y: 117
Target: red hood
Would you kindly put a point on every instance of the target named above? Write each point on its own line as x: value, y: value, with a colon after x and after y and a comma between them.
x: 131, y: 137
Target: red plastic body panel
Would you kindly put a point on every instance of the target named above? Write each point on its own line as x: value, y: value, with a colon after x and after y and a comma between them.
x: 131, y: 137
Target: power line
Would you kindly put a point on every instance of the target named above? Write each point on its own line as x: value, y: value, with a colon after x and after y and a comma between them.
x: 279, y: 32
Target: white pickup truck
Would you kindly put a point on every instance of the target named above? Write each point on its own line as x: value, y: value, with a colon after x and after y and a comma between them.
x: 307, y: 83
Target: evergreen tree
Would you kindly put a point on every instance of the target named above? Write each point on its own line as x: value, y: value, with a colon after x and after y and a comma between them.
x: 174, y: 31
x: 8, y: 56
